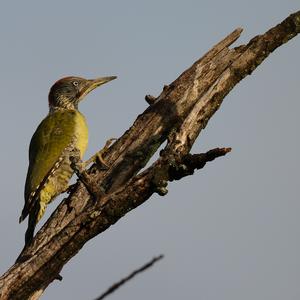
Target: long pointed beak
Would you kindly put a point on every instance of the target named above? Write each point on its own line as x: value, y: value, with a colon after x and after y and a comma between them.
x: 91, y: 84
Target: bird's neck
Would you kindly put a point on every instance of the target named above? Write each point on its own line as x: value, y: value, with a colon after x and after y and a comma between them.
x: 54, y: 109
x: 61, y: 102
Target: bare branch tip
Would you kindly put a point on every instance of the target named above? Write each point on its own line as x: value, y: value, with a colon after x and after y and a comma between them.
x: 150, y: 99
x: 59, y: 277
x: 227, y: 150
x: 239, y: 30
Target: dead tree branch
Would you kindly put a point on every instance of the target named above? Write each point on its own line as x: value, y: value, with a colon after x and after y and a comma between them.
x: 177, y: 115
x: 118, y: 284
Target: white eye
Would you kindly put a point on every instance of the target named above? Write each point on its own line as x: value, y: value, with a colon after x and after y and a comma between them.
x: 75, y: 83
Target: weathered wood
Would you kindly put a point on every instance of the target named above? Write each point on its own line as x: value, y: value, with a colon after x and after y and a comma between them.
x: 178, y: 115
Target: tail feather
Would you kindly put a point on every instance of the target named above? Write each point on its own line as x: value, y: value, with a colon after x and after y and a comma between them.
x: 32, y: 221
x: 29, y: 233
x: 23, y: 216
x: 29, y: 206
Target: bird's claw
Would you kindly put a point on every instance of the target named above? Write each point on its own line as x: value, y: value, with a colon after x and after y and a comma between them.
x: 79, y: 168
x: 98, y: 157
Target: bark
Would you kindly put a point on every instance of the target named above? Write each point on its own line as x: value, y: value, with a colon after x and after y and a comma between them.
x: 177, y: 115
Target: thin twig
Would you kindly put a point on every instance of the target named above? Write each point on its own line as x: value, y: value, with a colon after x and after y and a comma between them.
x: 118, y: 284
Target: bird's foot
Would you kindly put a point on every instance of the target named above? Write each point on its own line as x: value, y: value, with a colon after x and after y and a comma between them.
x: 79, y: 168
x: 98, y: 157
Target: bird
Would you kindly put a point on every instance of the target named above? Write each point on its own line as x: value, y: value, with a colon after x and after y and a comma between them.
x: 61, y: 132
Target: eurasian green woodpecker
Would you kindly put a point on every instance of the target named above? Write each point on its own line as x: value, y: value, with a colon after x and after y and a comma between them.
x: 62, y: 131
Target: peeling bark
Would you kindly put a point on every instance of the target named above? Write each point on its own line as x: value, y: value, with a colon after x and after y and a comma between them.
x: 177, y: 115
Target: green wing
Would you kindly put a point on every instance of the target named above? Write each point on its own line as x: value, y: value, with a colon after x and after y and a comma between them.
x: 51, y: 138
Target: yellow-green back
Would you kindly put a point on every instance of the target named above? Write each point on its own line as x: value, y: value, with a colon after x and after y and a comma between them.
x: 60, y: 130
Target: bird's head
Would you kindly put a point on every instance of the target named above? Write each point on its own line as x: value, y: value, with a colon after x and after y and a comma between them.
x: 67, y: 92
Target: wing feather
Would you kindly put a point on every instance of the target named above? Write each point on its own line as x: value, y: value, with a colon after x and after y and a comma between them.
x: 54, y: 134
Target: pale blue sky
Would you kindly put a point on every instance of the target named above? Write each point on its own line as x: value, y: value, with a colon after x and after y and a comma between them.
x: 231, y: 231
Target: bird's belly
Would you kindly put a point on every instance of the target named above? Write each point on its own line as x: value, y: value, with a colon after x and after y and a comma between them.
x: 57, y: 183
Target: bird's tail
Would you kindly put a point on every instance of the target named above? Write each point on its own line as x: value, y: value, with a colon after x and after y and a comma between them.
x: 24, y: 214
x: 32, y: 220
